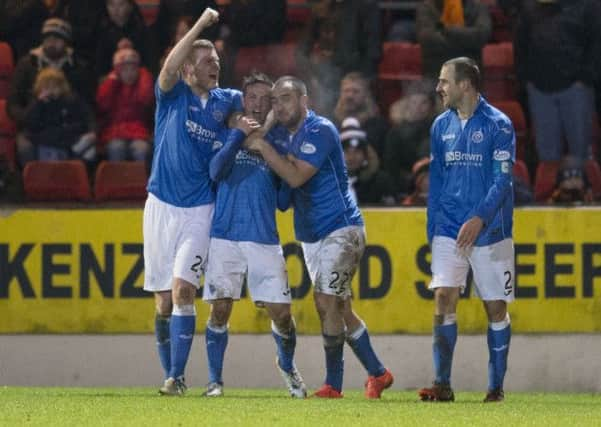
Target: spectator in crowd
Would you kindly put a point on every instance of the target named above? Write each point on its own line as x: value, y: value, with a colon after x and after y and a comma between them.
x: 451, y: 28
x: 54, y: 52
x: 420, y: 183
x: 11, y: 185
x: 125, y: 101
x: 409, y: 138
x: 85, y: 17
x: 182, y: 26
x: 341, y: 37
x: 357, y: 101
x: 572, y: 185
x: 59, y: 124
x: 557, y: 51
x: 20, y: 24
x: 123, y: 20
x: 367, y: 183
x: 170, y: 12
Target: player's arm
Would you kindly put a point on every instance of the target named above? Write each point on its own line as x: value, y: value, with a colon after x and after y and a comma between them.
x: 295, y: 172
x: 435, y: 182
x: 502, y: 169
x: 169, y: 74
x: 221, y: 164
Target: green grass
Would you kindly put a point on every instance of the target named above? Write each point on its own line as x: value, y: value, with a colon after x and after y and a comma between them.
x: 20, y: 406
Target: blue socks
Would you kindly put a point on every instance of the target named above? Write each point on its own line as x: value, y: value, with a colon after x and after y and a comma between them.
x: 361, y: 345
x: 499, y: 336
x: 285, y: 344
x: 216, y: 341
x: 334, y: 347
x: 183, y: 324
x: 161, y: 331
x: 445, y: 337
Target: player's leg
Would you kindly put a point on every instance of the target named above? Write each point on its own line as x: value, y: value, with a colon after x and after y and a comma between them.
x: 494, y: 273
x: 226, y: 270
x: 357, y: 337
x: 268, y: 287
x: 216, y: 339
x: 164, y: 307
x: 449, y: 273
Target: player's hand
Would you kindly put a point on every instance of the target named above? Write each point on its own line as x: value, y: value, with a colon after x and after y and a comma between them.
x: 209, y: 17
x: 469, y: 231
x: 247, y: 124
x: 254, y: 144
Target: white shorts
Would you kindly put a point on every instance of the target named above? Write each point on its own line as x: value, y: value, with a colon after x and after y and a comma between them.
x: 231, y: 263
x: 176, y: 243
x: 332, y: 261
x: 493, y: 268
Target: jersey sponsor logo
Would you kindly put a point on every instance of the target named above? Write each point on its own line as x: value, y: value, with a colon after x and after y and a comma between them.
x: 308, y: 148
x: 243, y: 157
x: 448, y: 137
x: 477, y: 137
x: 458, y: 156
x: 501, y: 155
x: 196, y: 131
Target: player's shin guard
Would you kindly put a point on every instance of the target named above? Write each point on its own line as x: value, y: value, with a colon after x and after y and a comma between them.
x: 334, y: 348
x: 182, y: 327
x: 499, y: 336
x: 161, y: 330
x: 445, y: 337
x: 216, y: 341
x: 361, y: 345
x: 286, y: 344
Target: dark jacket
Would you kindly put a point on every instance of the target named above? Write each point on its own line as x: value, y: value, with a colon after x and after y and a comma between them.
x: 558, y: 44
x: 21, y: 23
x: 356, y: 42
x: 255, y: 22
x: 440, y: 44
x: 20, y: 94
x: 57, y: 122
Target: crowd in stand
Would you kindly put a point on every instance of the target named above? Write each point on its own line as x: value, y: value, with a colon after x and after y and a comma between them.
x: 82, y: 86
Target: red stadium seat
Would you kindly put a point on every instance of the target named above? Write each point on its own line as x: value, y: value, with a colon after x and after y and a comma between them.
x: 275, y: 60
x: 593, y: 175
x: 499, y: 73
x: 298, y: 12
x: 56, y: 181
x: 249, y: 59
x: 400, y: 61
x: 7, y: 135
x: 521, y: 170
x: 120, y: 181
x: 546, y: 179
x: 7, y: 66
x: 149, y: 10
x: 514, y: 111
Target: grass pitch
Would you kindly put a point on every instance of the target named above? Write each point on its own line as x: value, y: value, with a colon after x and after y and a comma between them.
x: 20, y: 406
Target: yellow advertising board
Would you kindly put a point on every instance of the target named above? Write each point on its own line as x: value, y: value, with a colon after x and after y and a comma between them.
x: 81, y: 271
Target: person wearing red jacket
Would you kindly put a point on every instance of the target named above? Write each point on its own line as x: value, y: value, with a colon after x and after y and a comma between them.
x: 125, y: 100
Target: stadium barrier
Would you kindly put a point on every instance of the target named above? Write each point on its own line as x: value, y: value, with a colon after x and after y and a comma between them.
x: 81, y: 271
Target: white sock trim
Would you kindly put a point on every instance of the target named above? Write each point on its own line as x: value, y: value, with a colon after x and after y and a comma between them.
x: 449, y: 319
x: 276, y: 331
x: 184, y: 310
x: 354, y: 336
x: 217, y: 329
x: 499, y: 326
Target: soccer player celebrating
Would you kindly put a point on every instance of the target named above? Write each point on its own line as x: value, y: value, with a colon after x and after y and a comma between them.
x: 245, y: 246
x: 470, y: 217
x: 328, y: 223
x: 190, y: 112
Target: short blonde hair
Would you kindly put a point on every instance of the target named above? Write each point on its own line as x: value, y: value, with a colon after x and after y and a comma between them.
x: 48, y: 76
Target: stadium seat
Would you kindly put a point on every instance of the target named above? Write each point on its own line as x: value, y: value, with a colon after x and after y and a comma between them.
x: 120, y: 181
x: 298, y: 12
x: 593, y: 175
x: 514, y: 111
x: 546, y: 178
x: 56, y: 181
x: 7, y: 67
x: 149, y: 10
x: 7, y: 135
x: 521, y: 170
x: 499, y: 73
x: 274, y: 59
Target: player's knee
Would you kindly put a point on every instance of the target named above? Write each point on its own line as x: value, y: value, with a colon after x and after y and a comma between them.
x: 163, y: 303
x: 446, y: 299
x: 184, y: 293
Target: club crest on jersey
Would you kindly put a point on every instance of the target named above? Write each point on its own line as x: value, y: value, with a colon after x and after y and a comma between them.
x: 501, y: 155
x: 218, y: 116
x: 308, y: 148
x: 477, y: 137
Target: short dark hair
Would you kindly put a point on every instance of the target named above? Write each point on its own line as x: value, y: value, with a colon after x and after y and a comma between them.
x: 466, y: 69
x: 203, y: 44
x: 255, y: 77
x: 297, y: 84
